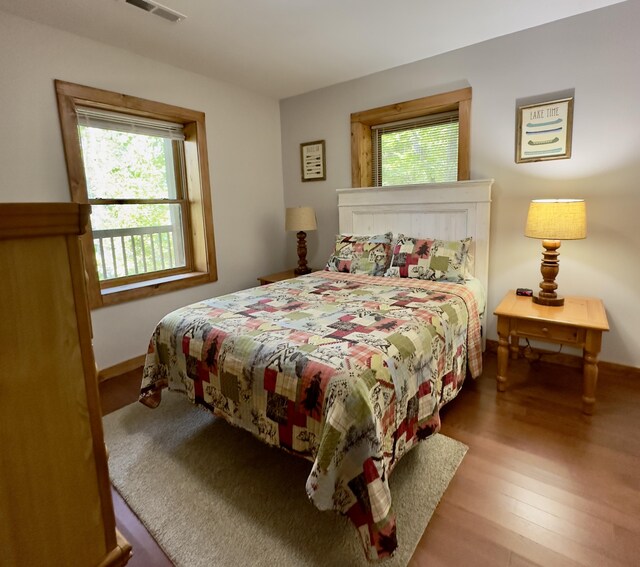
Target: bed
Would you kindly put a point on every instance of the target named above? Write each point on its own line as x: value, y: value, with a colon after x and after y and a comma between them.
x: 348, y: 370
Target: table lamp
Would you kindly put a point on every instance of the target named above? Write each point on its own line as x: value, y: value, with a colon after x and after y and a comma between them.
x: 554, y: 220
x: 301, y: 219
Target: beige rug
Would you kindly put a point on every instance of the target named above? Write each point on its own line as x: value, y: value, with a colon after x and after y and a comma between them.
x: 213, y: 495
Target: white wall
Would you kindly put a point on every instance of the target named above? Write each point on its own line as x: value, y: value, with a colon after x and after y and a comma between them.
x: 597, y: 55
x: 243, y: 135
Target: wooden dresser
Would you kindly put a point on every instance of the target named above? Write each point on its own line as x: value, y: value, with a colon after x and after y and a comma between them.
x: 55, y: 500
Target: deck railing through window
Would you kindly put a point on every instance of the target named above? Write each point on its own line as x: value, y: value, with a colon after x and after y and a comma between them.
x: 125, y: 252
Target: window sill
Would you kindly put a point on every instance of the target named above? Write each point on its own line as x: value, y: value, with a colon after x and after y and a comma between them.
x: 149, y: 288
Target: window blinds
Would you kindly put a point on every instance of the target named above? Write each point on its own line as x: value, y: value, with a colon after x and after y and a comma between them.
x: 109, y: 120
x: 419, y: 150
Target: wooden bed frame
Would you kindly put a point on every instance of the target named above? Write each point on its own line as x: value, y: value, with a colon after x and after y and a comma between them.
x: 449, y: 211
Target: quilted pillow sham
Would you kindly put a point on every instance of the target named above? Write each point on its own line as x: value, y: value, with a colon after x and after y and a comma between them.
x: 429, y: 259
x: 361, y: 254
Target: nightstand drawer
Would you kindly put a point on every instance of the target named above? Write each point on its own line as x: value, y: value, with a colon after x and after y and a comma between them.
x: 280, y: 276
x: 548, y: 331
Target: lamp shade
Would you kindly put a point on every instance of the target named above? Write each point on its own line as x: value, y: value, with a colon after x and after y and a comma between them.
x: 557, y: 219
x: 300, y: 219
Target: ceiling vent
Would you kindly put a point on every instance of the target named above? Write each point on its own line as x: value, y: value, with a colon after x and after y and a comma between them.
x: 157, y: 9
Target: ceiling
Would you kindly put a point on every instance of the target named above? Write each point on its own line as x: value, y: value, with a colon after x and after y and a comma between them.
x: 286, y: 47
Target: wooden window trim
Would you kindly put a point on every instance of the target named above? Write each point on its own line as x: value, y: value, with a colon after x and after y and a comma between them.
x: 200, y: 247
x: 361, y: 122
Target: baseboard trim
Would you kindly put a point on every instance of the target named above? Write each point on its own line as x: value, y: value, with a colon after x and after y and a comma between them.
x: 574, y: 361
x: 121, y: 368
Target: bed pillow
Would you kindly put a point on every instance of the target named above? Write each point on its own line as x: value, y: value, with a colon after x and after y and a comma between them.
x: 429, y: 259
x: 361, y: 254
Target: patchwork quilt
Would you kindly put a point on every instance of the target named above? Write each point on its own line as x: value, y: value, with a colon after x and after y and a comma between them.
x: 347, y: 370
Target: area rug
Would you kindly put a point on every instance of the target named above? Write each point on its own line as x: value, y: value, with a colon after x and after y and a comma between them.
x: 213, y: 495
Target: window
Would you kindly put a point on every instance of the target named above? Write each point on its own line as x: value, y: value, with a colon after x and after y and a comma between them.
x: 421, y: 150
x: 142, y: 166
x: 134, y: 172
x: 419, y: 141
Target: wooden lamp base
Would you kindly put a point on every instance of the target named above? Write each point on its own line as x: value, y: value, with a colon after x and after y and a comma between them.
x: 302, y: 255
x: 553, y: 301
x: 549, y: 269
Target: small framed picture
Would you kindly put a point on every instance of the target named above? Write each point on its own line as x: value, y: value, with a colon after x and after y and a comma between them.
x: 312, y: 161
x: 544, y: 130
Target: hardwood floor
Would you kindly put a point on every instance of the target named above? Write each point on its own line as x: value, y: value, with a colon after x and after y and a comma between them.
x: 542, y: 484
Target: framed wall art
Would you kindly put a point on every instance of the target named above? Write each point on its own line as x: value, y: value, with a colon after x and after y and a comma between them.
x: 312, y: 161
x: 544, y: 130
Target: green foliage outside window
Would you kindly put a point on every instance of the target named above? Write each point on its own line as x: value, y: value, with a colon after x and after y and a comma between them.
x: 122, y: 165
x: 426, y: 154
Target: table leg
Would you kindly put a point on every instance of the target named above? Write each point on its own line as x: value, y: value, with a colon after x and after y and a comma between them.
x: 514, y: 347
x: 592, y: 347
x: 503, y: 353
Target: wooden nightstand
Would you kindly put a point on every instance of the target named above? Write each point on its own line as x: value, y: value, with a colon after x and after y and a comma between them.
x: 272, y: 278
x: 578, y: 323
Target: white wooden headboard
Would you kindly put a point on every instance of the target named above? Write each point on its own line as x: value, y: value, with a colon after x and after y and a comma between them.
x: 449, y: 211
